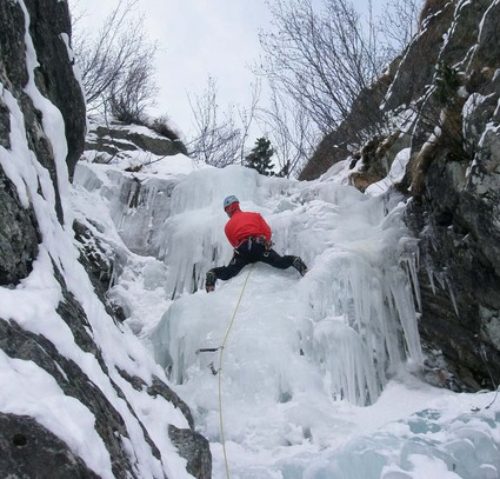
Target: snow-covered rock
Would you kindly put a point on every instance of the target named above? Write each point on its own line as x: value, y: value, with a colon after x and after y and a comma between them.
x: 440, y: 113
x: 79, y: 394
x: 107, y: 141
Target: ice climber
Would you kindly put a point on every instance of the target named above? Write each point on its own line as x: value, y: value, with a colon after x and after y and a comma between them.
x: 250, y: 236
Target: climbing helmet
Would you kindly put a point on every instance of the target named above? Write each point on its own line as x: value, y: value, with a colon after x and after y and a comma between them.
x: 229, y: 200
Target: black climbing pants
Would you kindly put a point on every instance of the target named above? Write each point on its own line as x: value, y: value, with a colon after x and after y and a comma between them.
x: 248, y: 252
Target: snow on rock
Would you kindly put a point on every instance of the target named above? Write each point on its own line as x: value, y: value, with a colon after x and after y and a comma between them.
x: 64, y: 361
x: 114, y: 142
x: 395, y: 176
x: 320, y: 374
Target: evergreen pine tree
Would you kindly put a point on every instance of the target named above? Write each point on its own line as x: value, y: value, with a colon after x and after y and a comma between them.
x: 260, y: 157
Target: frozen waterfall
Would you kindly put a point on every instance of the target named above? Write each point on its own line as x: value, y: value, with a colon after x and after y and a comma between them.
x: 315, y: 379
x: 349, y: 323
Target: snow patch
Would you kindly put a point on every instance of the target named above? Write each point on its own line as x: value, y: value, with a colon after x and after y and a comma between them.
x: 395, y: 175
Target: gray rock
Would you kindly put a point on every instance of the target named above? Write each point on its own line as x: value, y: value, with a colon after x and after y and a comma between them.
x: 417, y: 67
x: 49, y: 21
x: 74, y: 316
x: 12, y: 48
x: 464, y: 32
x: 195, y: 449
x: 117, y: 137
x: 18, y: 235
x: 159, y: 388
x: 54, y: 77
x: 30, y: 451
x: 158, y: 146
x: 4, y: 126
x: 22, y: 344
x: 459, y: 216
x: 488, y: 47
x: 99, y: 266
x: 464, y: 286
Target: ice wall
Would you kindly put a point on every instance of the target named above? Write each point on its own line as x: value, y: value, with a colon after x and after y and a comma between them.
x: 352, y: 318
x: 138, y: 204
x: 354, y: 312
x: 304, y: 353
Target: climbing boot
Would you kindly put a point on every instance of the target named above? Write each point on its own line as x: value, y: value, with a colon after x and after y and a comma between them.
x: 299, y: 265
x: 210, y: 281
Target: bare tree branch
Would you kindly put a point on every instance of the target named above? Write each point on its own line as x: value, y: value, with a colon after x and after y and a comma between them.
x: 117, y: 62
x: 247, y: 117
x: 133, y: 92
x: 399, y: 24
x: 220, y: 137
x: 324, y: 58
x: 217, y: 139
x: 290, y: 130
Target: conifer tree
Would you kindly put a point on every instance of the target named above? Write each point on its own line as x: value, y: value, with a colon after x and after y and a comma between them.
x: 260, y: 157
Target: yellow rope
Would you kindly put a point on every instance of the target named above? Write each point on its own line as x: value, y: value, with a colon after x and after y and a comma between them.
x: 228, y: 330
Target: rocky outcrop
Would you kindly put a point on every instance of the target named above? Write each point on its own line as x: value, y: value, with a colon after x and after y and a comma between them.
x: 365, y: 118
x: 30, y: 450
x: 115, y: 139
x: 417, y: 66
x: 18, y: 235
x: 51, y: 319
x: 21, y: 344
x: 54, y: 77
x: 28, y: 446
x: 456, y: 210
x: 447, y: 87
x: 100, y: 266
x: 189, y: 444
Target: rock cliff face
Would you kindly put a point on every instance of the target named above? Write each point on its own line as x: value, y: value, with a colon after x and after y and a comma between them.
x: 444, y: 96
x: 79, y: 395
x: 116, y: 140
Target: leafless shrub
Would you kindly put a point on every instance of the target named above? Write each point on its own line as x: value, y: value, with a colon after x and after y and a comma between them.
x: 216, y: 141
x: 132, y: 92
x: 332, y: 67
x: 220, y: 136
x: 321, y: 59
x: 161, y: 126
x: 398, y: 24
x: 290, y: 130
x: 116, y: 63
x: 246, y: 116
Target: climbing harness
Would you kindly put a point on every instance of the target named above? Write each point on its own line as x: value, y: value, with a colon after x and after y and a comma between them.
x: 219, y: 370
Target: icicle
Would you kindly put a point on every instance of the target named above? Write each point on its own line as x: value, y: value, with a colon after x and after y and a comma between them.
x: 430, y: 275
x: 452, y: 295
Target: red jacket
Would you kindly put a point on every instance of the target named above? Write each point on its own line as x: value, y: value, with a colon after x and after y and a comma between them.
x: 244, y: 224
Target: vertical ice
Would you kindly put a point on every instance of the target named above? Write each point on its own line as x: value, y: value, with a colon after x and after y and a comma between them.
x: 354, y: 312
